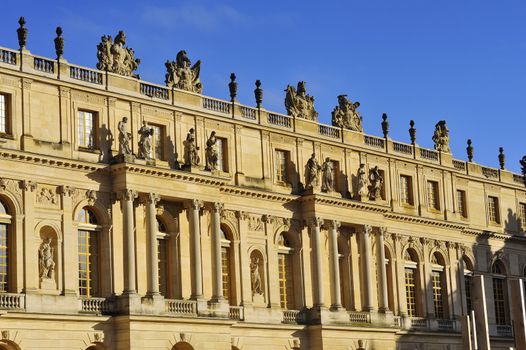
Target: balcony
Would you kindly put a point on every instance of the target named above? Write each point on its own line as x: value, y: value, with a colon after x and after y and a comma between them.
x: 97, y: 306
x: 12, y: 301
x: 501, y: 330
x: 293, y: 317
x: 359, y: 317
x: 236, y: 313
x: 175, y: 307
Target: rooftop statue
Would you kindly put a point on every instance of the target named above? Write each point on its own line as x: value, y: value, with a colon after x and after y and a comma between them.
x: 441, y: 137
x: 182, y: 75
x: 299, y: 104
x: 115, y: 58
x: 345, y: 115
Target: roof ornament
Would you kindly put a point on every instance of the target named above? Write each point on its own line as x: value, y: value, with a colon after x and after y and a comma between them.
x: 180, y: 73
x: 299, y: 104
x: 345, y: 115
x: 441, y: 137
x: 114, y: 57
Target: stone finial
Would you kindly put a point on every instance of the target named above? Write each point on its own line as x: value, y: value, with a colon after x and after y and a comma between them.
x: 59, y: 43
x: 232, y: 86
x: 469, y: 151
x: 22, y: 33
x: 502, y: 158
x: 258, y: 93
x: 385, y: 125
x: 412, y: 131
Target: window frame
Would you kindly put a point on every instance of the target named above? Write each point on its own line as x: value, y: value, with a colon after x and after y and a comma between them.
x: 89, y: 229
x: 6, y: 220
x: 94, y: 129
x: 7, y: 115
x: 433, y: 195
x: 462, y: 206
x: 281, y: 176
x: 495, y: 213
x: 409, y: 196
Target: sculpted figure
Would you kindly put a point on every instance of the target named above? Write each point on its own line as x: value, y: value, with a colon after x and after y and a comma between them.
x: 190, y: 149
x: 312, y: 174
x: 211, y: 152
x: 182, y: 75
x: 362, y: 181
x: 145, y: 141
x: 114, y: 57
x: 345, y: 115
x: 299, y: 104
x: 375, y: 188
x: 255, y: 277
x: 441, y: 137
x: 124, y: 138
x: 45, y: 257
x: 328, y: 175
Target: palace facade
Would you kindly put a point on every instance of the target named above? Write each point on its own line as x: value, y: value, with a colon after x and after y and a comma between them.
x: 141, y: 216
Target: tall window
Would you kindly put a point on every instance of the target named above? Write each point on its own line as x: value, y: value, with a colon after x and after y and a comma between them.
x: 461, y: 203
x: 158, y: 141
x: 222, y: 159
x: 225, y: 265
x: 162, y: 257
x: 286, y: 282
x: 411, y: 283
x: 493, y: 209
x: 87, y: 123
x: 88, y: 252
x: 3, y: 114
x: 406, y: 192
x: 432, y: 195
x: 522, y: 216
x: 439, y: 285
x: 281, y: 158
x: 5, y: 222
x: 499, y: 292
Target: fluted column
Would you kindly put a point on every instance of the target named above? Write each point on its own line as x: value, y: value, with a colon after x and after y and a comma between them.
x: 216, y: 209
x: 126, y: 197
x: 336, y: 302
x: 367, y: 266
x: 382, y: 273
x: 193, y: 208
x: 314, y: 224
x: 151, y: 200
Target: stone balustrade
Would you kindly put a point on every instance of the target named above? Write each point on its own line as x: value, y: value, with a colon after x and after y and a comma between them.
x: 459, y: 165
x: 8, y: 56
x: 12, y: 301
x: 236, y: 313
x: 216, y: 105
x: 359, y: 317
x: 87, y: 75
x: 292, y: 316
x: 490, y: 173
x: 248, y: 113
x: 280, y: 120
x: 374, y: 141
x: 329, y: 131
x: 44, y: 65
x: 181, y: 307
x: 429, y: 154
x: 96, y: 305
x: 155, y: 91
x: 403, y: 148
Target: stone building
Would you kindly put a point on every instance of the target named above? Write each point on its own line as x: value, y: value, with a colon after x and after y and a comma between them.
x: 135, y: 215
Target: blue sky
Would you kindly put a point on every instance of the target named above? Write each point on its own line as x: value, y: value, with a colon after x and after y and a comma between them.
x: 462, y: 61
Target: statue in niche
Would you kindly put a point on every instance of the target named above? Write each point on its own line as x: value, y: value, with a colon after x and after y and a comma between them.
x: 441, y: 137
x: 299, y: 104
x: 211, y: 152
x: 255, y: 276
x: 145, y: 141
x: 45, y: 259
x: 362, y: 182
x: 114, y: 57
x: 376, y: 180
x: 124, y: 138
x: 327, y: 169
x: 345, y: 115
x: 191, y: 157
x: 313, y: 172
x: 182, y: 75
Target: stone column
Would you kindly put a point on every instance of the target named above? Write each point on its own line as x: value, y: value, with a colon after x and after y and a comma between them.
x: 481, y: 312
x: 382, y: 273
x: 151, y: 200
x: 30, y: 249
x: 193, y: 208
x: 366, y: 268
x: 336, y: 302
x: 216, y: 209
x: 126, y: 197
x: 70, y: 243
x: 314, y: 224
x: 518, y: 312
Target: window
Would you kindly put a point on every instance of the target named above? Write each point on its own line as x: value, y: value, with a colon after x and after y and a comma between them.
x: 5, y: 223
x: 468, y: 273
x: 4, y: 112
x: 437, y: 294
x: 162, y: 257
x: 411, y: 283
x: 432, y: 195
x: 222, y: 159
x: 285, y: 276
x: 158, y: 141
x: 499, y: 292
x: 225, y: 265
x: 522, y: 216
x: 406, y: 190
x: 493, y: 210
x: 87, y: 124
x: 88, y: 252
x: 281, y: 158
x: 461, y: 203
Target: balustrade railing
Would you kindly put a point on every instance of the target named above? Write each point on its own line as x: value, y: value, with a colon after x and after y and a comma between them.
x: 329, y: 131
x: 403, y: 148
x: 518, y: 179
x: 12, y: 301
x: 359, y: 317
x: 459, y: 165
x: 181, y: 307
x: 155, y: 91
x: 490, y: 173
x: 248, y: 113
x: 504, y: 331
x: 7, y: 56
x: 216, y: 105
x: 236, y: 313
x: 43, y: 65
x: 84, y: 74
x: 374, y: 141
x: 397, y: 321
x: 429, y: 154
x: 292, y: 316
x: 280, y: 120
x: 95, y: 305
x: 446, y: 325
x: 418, y: 323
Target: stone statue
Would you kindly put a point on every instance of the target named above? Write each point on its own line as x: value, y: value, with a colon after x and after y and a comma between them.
x: 255, y: 277
x: 299, y: 104
x: 124, y: 138
x: 441, y: 137
x: 376, y: 180
x: 362, y: 182
x: 114, y: 57
x: 312, y: 174
x: 327, y: 168
x: 211, y: 152
x: 145, y: 141
x: 190, y: 149
x: 182, y: 75
x: 345, y: 115
x: 45, y: 257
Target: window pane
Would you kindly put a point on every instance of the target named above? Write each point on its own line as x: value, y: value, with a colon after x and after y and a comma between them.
x: 498, y: 296
x: 461, y: 203
x: 410, y: 292
x: 3, y: 114
x: 432, y: 194
x: 225, y: 269
x: 158, y: 141
x: 162, y: 266
x: 467, y: 281
x: 86, y: 133
x: 88, y: 253
x: 281, y: 166
x: 220, y: 160
x: 4, y: 268
x: 493, y: 209
x: 437, y: 294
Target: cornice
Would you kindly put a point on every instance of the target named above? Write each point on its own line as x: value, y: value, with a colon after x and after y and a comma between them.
x: 256, y: 194
x: 50, y: 161
x: 424, y: 221
x: 344, y: 203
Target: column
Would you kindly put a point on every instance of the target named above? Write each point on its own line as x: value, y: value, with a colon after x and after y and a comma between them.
x: 216, y: 252
x: 30, y: 250
x: 382, y: 273
x: 194, y: 207
x: 518, y: 312
x: 481, y: 312
x: 126, y: 197
x: 367, y: 266
x: 336, y: 302
x: 314, y: 224
x: 151, y: 200
x: 70, y: 242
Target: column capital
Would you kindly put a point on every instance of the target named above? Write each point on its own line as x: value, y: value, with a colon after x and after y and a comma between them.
x: 195, y: 204
x: 382, y: 231
x: 127, y: 195
x: 150, y: 198
x: 367, y: 229
x: 333, y: 224
x: 216, y: 207
x: 314, y: 222
x: 29, y: 185
x: 67, y: 191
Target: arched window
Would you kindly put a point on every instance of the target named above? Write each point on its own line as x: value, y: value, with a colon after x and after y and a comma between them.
x: 162, y: 256
x: 5, y: 254
x: 439, y: 285
x: 88, y: 253
x: 412, y: 283
x: 389, y: 275
x: 468, y: 278
x: 499, y: 292
x: 226, y: 265
x: 286, y: 279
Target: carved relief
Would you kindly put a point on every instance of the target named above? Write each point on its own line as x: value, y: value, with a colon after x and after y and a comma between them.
x: 47, y: 196
x: 254, y: 222
x: 345, y: 115
x: 256, y: 269
x: 114, y: 57
x: 299, y: 104
x: 182, y: 75
x: 46, y: 259
x: 441, y: 137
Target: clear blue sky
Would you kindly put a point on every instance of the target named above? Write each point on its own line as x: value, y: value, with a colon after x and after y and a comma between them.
x: 462, y: 61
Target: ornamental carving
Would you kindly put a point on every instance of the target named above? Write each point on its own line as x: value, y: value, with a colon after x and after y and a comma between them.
x: 312, y: 173
x: 182, y: 75
x: 327, y: 182
x: 254, y: 222
x: 299, y: 104
x: 47, y: 195
x: 255, y: 274
x: 212, y: 157
x: 345, y: 115
x: 376, y: 180
x: 124, y: 138
x: 114, y: 57
x: 191, y: 156
x: 145, y: 141
x: 91, y: 196
x: 441, y: 137
x: 363, y: 182
x: 46, y: 259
